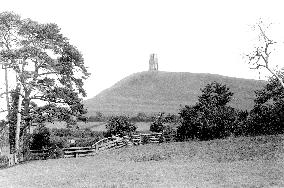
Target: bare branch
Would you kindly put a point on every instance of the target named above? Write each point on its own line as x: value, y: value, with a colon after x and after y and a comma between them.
x: 260, y: 57
x: 1, y: 111
x: 263, y: 33
x: 48, y: 73
x: 257, y: 67
x: 42, y: 98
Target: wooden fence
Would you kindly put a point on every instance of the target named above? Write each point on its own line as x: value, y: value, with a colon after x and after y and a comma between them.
x: 77, y: 151
x: 39, y: 154
x: 117, y: 142
x: 105, y: 144
x: 147, y: 138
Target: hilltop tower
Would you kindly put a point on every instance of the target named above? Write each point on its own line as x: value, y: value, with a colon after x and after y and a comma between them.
x: 153, y: 62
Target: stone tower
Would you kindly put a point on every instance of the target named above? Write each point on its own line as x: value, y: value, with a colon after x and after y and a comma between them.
x: 153, y: 62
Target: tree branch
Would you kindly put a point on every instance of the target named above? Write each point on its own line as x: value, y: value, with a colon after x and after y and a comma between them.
x: 45, y: 99
x: 1, y: 111
x: 48, y: 73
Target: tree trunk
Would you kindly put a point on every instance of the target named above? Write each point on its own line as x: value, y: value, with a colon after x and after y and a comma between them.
x: 277, y: 77
x: 18, y: 126
x: 7, y: 90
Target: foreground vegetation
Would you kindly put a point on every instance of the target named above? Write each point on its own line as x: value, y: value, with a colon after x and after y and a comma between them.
x: 233, y: 162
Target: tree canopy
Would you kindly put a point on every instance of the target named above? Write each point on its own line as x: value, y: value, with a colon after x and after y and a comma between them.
x: 211, y: 117
x: 47, y: 66
x: 267, y: 116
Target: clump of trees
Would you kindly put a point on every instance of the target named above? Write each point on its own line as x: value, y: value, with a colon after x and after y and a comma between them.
x: 212, y: 118
x: 139, y: 117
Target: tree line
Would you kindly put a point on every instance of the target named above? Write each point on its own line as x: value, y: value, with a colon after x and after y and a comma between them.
x: 212, y: 118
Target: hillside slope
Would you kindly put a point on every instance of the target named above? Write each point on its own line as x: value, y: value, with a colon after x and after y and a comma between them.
x: 153, y: 92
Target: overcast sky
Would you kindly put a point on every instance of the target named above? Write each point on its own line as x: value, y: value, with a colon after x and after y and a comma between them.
x: 116, y: 37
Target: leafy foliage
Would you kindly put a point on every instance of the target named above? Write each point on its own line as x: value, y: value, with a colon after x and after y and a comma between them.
x: 41, y: 139
x: 120, y: 125
x: 215, y: 95
x: 158, y: 124
x: 48, y: 67
x: 210, y: 118
x: 267, y: 116
x: 164, y: 123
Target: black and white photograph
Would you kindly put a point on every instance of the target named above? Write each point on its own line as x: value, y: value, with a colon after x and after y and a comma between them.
x: 141, y: 93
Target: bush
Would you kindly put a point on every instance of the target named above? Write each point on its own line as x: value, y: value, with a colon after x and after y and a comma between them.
x: 58, y: 142
x: 267, y: 116
x: 40, y: 139
x: 120, y: 125
x: 85, y: 142
x: 158, y: 124
x: 210, y: 118
x: 4, y: 161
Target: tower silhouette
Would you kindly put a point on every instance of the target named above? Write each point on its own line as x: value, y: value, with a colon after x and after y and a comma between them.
x: 153, y: 62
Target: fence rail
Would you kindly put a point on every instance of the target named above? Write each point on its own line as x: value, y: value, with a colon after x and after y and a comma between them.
x: 40, y: 154
x: 101, y: 145
x: 77, y: 151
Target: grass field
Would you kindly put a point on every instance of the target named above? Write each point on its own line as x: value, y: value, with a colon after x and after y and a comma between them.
x: 234, y: 162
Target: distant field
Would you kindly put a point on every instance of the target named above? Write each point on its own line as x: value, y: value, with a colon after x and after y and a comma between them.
x: 97, y: 126
x: 231, y: 163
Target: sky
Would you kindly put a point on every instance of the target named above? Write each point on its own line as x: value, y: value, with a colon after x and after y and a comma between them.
x: 116, y: 37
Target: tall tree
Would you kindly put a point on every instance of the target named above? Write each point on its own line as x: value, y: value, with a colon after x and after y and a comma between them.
x: 48, y: 68
x: 260, y: 56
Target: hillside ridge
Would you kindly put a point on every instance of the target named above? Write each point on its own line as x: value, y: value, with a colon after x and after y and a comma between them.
x: 158, y: 91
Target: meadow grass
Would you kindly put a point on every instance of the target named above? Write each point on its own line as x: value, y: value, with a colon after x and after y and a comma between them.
x: 232, y: 162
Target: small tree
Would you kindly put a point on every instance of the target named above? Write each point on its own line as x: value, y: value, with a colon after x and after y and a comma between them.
x: 120, y: 125
x: 210, y: 118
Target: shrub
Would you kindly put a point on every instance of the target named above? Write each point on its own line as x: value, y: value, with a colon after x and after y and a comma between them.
x: 210, y: 118
x: 40, y: 139
x: 3, y: 161
x: 267, y: 116
x: 120, y: 125
x: 59, y: 142
x: 158, y: 124
x: 85, y: 142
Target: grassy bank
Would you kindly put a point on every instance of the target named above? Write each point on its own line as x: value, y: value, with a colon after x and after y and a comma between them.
x: 234, y: 162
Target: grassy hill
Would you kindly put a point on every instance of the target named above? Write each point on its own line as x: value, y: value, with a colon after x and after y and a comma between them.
x: 234, y: 162
x: 153, y: 92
